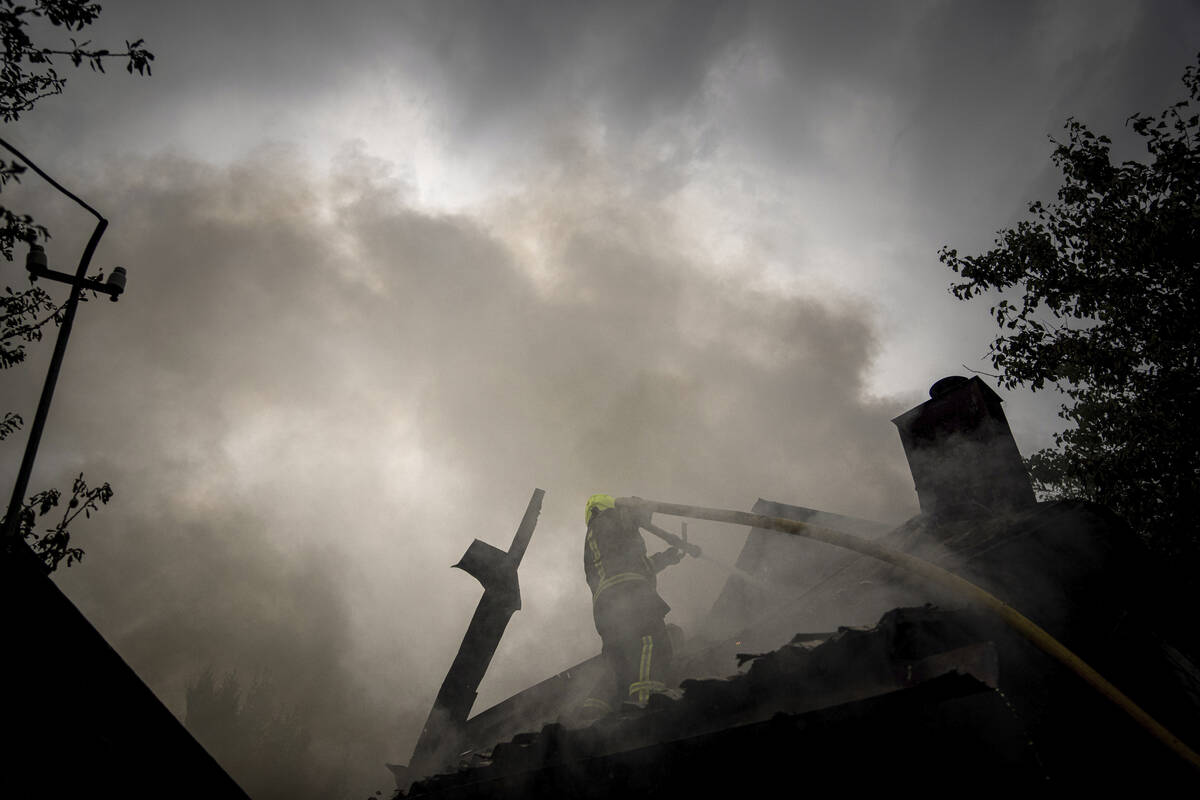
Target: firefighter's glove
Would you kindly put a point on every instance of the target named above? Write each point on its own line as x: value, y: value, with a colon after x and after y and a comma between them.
x: 660, y: 561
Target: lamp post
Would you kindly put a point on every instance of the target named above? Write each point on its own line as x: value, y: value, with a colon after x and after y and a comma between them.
x: 37, y: 266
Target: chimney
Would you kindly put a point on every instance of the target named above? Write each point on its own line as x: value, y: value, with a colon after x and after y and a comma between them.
x: 961, y: 451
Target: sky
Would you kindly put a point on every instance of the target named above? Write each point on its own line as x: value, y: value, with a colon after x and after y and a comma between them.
x: 394, y: 265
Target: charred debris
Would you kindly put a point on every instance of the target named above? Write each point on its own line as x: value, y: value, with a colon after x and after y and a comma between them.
x: 833, y: 666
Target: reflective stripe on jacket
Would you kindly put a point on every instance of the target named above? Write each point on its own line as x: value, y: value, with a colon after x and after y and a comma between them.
x: 614, y: 553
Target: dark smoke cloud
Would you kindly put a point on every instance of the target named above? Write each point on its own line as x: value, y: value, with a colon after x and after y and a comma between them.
x: 319, y: 388
x: 313, y: 396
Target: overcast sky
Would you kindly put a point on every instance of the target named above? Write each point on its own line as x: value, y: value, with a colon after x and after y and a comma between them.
x: 393, y: 265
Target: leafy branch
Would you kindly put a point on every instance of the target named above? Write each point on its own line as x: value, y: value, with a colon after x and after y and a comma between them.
x: 53, y: 544
x: 1113, y: 261
x: 28, y: 73
x: 11, y: 423
x: 19, y: 321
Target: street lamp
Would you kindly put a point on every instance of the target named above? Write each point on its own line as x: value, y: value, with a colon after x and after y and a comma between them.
x: 38, y: 267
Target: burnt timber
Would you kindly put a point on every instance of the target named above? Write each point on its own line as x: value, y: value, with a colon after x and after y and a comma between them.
x: 443, y: 733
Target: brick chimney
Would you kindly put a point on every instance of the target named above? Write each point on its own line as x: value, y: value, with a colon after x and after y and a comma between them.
x: 961, y: 451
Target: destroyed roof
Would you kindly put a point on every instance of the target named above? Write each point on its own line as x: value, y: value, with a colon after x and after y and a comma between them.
x: 811, y: 696
x: 786, y: 561
x: 1072, y: 567
x: 912, y: 701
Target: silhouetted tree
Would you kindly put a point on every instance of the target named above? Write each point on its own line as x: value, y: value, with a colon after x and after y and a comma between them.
x: 1109, y: 298
x: 28, y: 75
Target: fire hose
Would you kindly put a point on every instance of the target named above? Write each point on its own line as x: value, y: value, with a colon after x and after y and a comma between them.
x: 642, y: 510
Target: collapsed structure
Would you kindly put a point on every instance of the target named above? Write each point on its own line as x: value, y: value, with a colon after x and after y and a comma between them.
x: 825, y: 666
x: 834, y: 663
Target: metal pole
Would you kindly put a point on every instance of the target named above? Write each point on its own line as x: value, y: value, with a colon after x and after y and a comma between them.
x: 11, y: 517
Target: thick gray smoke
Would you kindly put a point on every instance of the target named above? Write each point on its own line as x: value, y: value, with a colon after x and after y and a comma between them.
x: 314, y: 396
x: 654, y: 253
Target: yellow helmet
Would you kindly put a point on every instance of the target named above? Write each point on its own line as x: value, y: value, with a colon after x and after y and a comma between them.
x: 597, y: 503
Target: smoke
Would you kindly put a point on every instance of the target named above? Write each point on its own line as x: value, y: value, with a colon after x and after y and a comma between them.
x: 315, y: 394
x: 328, y: 376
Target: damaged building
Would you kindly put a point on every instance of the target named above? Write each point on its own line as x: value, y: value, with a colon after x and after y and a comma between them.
x: 816, y: 663
x: 824, y: 664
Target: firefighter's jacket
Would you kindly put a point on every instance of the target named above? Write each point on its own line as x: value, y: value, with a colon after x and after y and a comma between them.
x: 620, y: 574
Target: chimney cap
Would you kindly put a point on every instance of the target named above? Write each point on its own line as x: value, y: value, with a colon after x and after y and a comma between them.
x: 945, y: 385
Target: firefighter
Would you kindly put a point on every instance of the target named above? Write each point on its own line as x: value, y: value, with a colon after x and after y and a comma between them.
x: 626, y: 606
